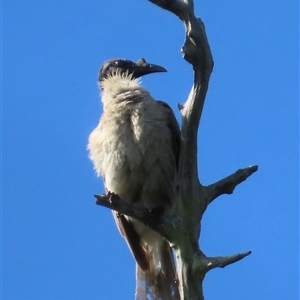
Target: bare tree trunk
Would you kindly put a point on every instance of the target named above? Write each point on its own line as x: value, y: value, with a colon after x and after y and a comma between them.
x: 181, y: 226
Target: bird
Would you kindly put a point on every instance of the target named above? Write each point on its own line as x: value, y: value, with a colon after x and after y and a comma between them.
x: 136, y: 148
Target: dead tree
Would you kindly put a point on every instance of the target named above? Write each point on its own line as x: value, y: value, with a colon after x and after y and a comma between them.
x: 181, y: 226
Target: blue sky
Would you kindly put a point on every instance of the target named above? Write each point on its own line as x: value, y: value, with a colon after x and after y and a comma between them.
x: 56, y: 243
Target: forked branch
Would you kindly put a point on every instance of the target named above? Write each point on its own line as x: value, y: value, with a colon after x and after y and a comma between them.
x: 228, y: 184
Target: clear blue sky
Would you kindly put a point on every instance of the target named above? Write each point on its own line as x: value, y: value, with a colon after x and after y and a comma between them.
x: 57, y: 244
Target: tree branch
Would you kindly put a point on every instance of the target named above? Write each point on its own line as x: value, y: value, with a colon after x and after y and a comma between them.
x: 197, y: 52
x: 223, y: 261
x: 156, y: 219
x: 193, y: 198
x: 228, y: 184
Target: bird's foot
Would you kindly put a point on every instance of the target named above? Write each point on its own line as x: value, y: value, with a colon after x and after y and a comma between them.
x: 113, y: 200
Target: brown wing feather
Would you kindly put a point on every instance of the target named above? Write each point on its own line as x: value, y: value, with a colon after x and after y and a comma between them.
x: 174, y: 128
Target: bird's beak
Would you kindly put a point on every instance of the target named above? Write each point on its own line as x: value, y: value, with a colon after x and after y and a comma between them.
x: 143, y: 68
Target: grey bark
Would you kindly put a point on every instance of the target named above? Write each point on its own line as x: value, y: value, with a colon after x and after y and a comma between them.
x: 181, y: 226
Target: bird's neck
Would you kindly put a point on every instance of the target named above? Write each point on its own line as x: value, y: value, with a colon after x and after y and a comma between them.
x: 121, y: 89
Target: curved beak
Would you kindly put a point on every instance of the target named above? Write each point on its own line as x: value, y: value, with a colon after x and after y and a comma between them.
x: 141, y: 67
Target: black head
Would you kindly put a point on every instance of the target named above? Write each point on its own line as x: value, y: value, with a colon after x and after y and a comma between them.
x: 125, y: 66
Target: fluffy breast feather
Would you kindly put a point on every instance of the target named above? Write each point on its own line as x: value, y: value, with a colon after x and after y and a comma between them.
x: 132, y: 145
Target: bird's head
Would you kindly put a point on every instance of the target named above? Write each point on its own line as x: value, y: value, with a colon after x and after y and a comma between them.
x: 127, y: 67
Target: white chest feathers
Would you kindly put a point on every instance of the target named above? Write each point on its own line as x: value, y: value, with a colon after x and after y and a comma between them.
x: 132, y: 145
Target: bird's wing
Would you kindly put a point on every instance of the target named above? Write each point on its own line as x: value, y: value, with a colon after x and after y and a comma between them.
x: 174, y: 129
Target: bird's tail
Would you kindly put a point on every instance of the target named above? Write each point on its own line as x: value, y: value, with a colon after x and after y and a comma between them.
x: 155, y: 269
x: 159, y: 281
